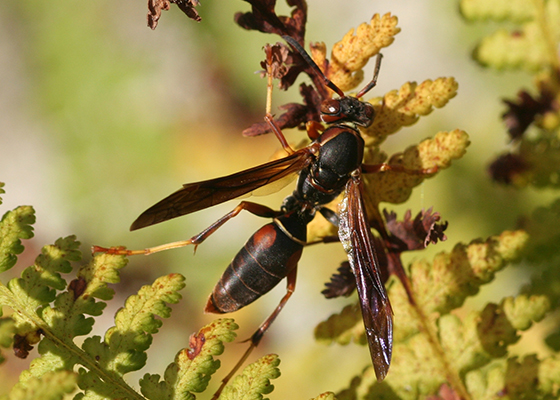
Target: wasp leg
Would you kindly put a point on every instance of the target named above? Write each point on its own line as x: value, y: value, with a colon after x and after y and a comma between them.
x: 253, y: 208
x: 259, y: 333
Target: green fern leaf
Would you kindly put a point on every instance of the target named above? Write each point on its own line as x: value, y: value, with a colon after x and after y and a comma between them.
x: 526, y: 378
x: 50, y: 386
x: 65, y: 319
x: 110, y: 388
x: 14, y: 226
x: 7, y: 331
x: 523, y: 49
x: 38, y: 284
x: 123, y: 349
x: 543, y: 228
x: 70, y: 307
x: 254, y: 381
x: 343, y: 327
x: 52, y: 313
x: 486, y: 335
x: 103, y: 269
x: 193, y: 367
x: 549, y: 378
x: 497, y: 10
x: 531, y: 46
x: 445, y: 283
x: 522, y: 311
x: 428, y: 351
x: 421, y: 365
x: 452, y: 277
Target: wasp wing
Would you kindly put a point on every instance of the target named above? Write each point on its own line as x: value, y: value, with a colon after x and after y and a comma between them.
x: 356, y: 237
x: 199, y: 195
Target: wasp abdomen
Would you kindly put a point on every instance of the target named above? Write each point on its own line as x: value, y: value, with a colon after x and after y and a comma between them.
x: 267, y: 257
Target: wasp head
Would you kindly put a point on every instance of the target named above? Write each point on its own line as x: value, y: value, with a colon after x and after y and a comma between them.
x: 347, y: 109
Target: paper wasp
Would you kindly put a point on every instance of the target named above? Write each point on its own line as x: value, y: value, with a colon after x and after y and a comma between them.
x: 330, y: 165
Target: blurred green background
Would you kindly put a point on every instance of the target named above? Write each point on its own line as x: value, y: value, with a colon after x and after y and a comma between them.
x: 100, y: 117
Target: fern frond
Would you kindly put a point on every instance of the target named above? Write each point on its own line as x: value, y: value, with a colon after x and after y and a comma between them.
x: 437, y: 153
x: 514, y: 10
x: 486, y: 335
x: 14, y: 226
x: 442, y: 286
x: 50, y: 312
x: 531, y: 46
x: 194, y: 366
x: 65, y: 318
x: 343, y: 327
x: 431, y: 346
x: 49, y: 386
x: 516, y: 377
x: 404, y: 107
x: 124, y: 345
x: 7, y: 331
x: 420, y: 366
x: 352, y: 53
x: 445, y: 284
x: 254, y: 380
x: 38, y: 284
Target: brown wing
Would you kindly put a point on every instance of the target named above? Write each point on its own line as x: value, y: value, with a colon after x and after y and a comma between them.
x: 199, y: 195
x: 356, y: 237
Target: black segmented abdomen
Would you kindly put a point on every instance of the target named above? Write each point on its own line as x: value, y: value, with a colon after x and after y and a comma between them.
x: 267, y: 258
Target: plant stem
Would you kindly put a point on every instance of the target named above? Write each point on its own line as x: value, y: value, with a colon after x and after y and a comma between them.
x: 452, y: 376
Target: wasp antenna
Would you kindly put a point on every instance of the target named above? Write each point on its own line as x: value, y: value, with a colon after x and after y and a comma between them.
x: 313, y: 64
x: 373, y: 82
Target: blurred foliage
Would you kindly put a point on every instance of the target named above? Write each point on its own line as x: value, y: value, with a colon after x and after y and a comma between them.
x: 117, y: 113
